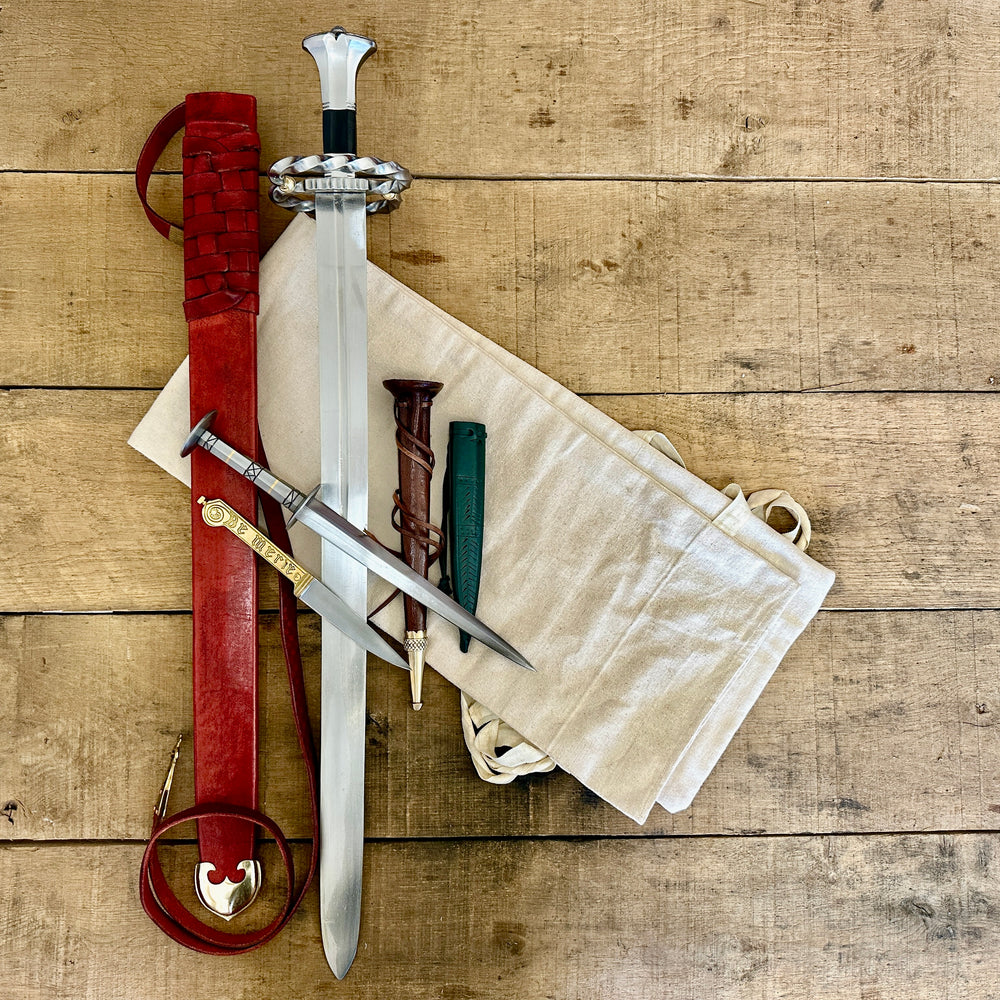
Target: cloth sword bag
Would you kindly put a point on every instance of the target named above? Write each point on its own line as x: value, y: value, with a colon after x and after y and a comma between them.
x: 654, y: 607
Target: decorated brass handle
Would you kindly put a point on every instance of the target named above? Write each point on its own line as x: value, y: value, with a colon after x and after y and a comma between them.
x: 219, y: 514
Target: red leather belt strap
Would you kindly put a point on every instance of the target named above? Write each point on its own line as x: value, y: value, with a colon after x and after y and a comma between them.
x: 221, y: 162
x: 221, y: 154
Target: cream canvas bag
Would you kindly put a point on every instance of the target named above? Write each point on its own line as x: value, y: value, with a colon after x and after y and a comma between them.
x: 654, y: 607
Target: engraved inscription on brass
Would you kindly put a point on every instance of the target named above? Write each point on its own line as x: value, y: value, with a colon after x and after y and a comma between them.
x: 217, y: 513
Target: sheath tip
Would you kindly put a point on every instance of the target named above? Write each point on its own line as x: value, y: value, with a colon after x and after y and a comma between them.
x: 417, y: 705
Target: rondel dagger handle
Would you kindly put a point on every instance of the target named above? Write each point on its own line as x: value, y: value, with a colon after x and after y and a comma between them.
x: 339, y: 56
x: 202, y: 437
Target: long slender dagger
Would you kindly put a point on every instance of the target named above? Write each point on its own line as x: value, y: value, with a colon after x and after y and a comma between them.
x: 327, y: 523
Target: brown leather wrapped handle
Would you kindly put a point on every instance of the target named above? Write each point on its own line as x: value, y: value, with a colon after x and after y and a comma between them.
x: 421, y: 540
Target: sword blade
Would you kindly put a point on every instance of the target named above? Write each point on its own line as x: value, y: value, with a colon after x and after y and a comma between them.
x: 343, y: 379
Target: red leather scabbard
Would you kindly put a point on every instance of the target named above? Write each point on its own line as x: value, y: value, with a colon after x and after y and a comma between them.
x: 221, y: 159
x: 221, y: 162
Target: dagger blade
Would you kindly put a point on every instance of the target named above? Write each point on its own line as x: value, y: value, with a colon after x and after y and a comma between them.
x: 217, y: 513
x: 333, y: 610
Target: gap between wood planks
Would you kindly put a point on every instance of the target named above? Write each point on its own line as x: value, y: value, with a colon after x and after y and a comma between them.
x: 582, y: 838
x: 650, y: 178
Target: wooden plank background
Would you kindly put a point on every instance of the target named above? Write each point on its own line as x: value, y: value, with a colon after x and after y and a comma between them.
x: 766, y: 229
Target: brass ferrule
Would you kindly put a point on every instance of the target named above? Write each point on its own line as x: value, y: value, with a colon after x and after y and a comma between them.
x: 415, y: 645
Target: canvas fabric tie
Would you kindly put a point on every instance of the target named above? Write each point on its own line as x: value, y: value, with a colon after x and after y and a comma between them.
x: 654, y: 606
x: 221, y: 152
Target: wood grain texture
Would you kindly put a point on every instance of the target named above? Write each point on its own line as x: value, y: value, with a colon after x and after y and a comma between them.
x: 900, y: 488
x: 728, y: 88
x: 874, y: 722
x: 897, y: 485
x: 755, y: 917
x: 605, y: 286
x: 568, y: 223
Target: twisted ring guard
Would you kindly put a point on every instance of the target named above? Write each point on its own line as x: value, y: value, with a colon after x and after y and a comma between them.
x: 295, y: 180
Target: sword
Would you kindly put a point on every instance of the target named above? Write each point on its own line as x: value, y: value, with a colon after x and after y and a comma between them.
x: 348, y: 539
x: 337, y: 186
x: 321, y: 599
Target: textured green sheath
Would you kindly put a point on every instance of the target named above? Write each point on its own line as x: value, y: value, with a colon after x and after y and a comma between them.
x: 464, y: 503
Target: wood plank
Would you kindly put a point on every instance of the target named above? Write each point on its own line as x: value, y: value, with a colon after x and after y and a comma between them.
x: 874, y: 722
x: 911, y: 916
x: 894, y: 522
x: 93, y: 295
x: 89, y: 523
x: 605, y: 286
x: 896, y: 485
x: 834, y: 89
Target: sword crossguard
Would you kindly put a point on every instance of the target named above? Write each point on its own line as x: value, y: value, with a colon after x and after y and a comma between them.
x: 296, y: 180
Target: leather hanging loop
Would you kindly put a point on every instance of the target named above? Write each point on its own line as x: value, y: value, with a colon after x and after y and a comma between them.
x: 166, y: 128
x: 169, y: 913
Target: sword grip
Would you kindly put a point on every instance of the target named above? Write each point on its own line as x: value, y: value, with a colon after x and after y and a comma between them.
x: 339, y: 56
x: 217, y: 513
x: 201, y: 437
x: 340, y: 130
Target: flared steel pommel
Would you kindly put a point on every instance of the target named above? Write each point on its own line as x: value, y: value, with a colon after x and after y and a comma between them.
x: 339, y: 56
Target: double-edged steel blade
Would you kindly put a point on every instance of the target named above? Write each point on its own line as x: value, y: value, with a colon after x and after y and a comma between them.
x: 339, y: 532
x: 343, y: 390
x: 332, y: 609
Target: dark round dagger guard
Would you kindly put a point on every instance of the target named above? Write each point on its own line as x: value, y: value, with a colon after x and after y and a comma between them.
x: 421, y: 540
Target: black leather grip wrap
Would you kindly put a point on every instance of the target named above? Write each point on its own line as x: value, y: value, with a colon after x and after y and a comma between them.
x: 340, y: 130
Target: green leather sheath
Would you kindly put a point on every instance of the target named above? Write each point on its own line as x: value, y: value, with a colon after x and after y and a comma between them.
x: 464, y: 494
